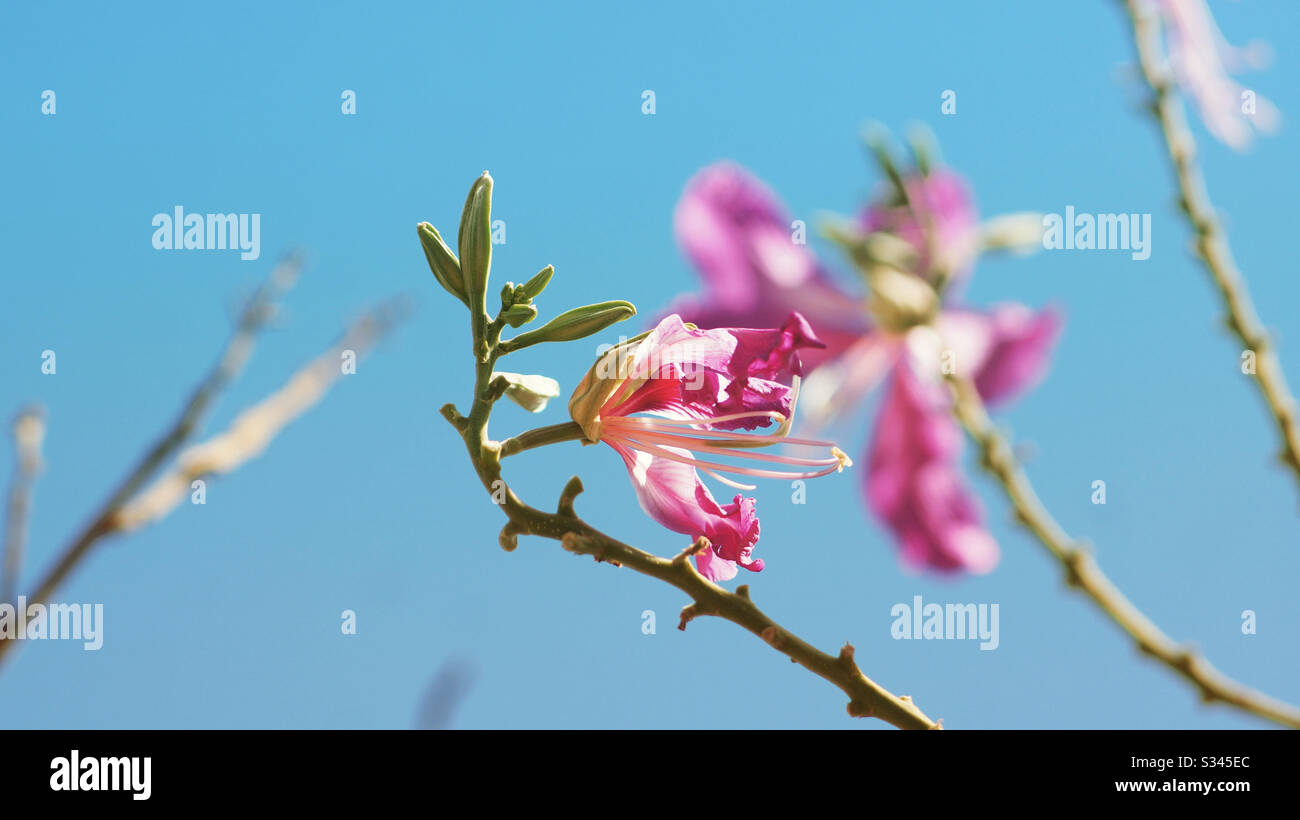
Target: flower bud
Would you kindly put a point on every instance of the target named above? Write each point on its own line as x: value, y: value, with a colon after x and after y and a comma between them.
x: 899, y: 300
x: 443, y: 263
x: 574, y: 324
x: 517, y: 315
x: 475, y: 241
x: 534, y: 287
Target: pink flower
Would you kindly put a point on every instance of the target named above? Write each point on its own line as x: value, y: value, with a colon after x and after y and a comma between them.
x: 914, y: 482
x: 733, y: 229
x: 671, y: 399
x: 1201, y: 60
x: 943, y: 196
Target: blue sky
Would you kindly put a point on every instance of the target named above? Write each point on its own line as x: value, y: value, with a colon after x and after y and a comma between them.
x: 228, y: 614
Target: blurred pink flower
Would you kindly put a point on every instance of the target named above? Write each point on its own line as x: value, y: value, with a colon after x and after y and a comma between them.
x: 1202, y: 61
x: 736, y: 233
x: 701, y: 385
x: 943, y: 196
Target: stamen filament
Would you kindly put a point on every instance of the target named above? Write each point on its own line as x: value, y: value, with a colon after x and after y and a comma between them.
x: 720, y: 437
x: 691, y: 443
x: 665, y: 452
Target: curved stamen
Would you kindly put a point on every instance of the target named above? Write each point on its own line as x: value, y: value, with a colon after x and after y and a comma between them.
x: 749, y: 488
x: 664, y: 452
x: 718, y: 438
x: 691, y: 443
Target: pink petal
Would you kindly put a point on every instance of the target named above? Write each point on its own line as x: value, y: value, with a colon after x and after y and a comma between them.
x: 672, y: 494
x: 738, y: 236
x: 693, y: 373
x: 914, y: 481
x: 835, y: 388
x: 1007, y: 350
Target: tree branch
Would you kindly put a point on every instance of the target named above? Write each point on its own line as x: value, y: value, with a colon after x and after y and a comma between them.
x: 131, y: 506
x: 866, y: 697
x: 1211, y: 238
x: 254, y: 428
x: 28, y: 431
x: 259, y: 310
x: 1083, y: 573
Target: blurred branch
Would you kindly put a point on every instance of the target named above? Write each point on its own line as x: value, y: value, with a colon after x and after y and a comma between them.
x: 259, y: 309
x: 1083, y: 573
x: 1211, y: 238
x: 866, y: 697
x: 254, y: 428
x: 129, y: 507
x: 28, y: 432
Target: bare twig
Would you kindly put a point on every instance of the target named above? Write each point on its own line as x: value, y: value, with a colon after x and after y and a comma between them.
x: 1211, y: 238
x: 253, y: 429
x: 866, y: 697
x: 259, y: 309
x: 129, y: 507
x: 28, y: 432
x: 1083, y: 573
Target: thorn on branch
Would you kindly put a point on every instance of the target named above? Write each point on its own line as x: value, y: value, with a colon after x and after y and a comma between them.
x: 567, y: 495
x: 700, y: 545
x: 509, y: 537
x: 689, y: 613
x: 859, y: 710
x: 742, y: 591
x: 846, y: 657
x: 496, y: 389
x: 452, y: 415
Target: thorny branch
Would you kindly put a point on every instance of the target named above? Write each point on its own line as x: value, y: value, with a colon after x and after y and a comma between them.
x: 1211, y: 238
x: 866, y: 697
x: 131, y: 505
x: 1083, y: 573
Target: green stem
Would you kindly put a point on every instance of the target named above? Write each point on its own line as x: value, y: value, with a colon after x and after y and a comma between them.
x: 542, y: 436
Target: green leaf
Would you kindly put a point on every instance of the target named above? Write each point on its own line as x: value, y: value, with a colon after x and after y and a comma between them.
x: 573, y: 324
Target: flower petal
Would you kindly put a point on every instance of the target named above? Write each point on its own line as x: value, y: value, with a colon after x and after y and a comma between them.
x: 1006, y: 350
x: 835, y: 388
x: 738, y: 236
x: 672, y: 494
x: 679, y: 372
x: 914, y: 482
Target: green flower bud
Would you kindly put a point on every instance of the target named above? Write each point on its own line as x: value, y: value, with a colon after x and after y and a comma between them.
x: 534, y: 287
x: 475, y: 241
x: 573, y: 324
x: 517, y: 315
x: 443, y: 263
